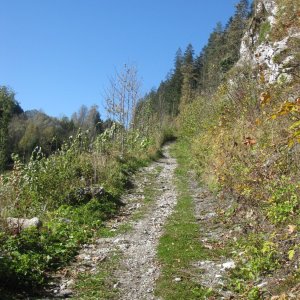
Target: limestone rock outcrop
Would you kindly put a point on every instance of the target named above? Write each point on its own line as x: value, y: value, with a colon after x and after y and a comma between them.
x: 272, y: 57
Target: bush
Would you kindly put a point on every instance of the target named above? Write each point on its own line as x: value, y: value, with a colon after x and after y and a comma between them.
x: 73, y: 192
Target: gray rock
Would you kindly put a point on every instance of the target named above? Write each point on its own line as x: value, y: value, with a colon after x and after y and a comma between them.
x: 228, y: 265
x: 257, y: 53
x: 21, y: 223
x: 65, y: 293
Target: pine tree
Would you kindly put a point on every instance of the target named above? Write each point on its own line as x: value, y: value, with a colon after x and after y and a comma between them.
x: 234, y: 33
x: 188, y: 76
x: 199, y: 71
x: 210, y: 59
x: 176, y: 84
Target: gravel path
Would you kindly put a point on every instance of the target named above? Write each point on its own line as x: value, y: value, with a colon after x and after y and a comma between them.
x: 139, y: 268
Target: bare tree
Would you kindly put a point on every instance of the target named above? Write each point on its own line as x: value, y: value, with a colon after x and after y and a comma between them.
x: 121, y: 98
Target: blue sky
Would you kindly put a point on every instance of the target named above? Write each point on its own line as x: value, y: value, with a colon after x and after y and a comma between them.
x: 58, y: 54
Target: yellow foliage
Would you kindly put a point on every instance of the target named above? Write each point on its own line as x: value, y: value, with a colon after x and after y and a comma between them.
x: 291, y: 110
x: 265, y: 98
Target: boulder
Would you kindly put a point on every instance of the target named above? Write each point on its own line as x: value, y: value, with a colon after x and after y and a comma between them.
x: 19, y: 224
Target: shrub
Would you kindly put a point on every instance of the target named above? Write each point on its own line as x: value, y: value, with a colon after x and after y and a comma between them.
x: 73, y: 192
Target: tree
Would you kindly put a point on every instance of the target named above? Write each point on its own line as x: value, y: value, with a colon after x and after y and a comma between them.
x: 67, y: 128
x: 8, y: 106
x: 121, y: 98
x: 188, y: 57
x: 16, y: 130
x: 188, y: 76
x: 165, y: 101
x: 234, y: 32
x: 88, y: 119
x: 29, y: 140
x: 176, y: 83
x: 93, y: 122
x: 199, y: 70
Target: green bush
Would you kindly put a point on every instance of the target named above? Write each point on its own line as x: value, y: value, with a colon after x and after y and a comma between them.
x: 257, y: 256
x: 284, y: 202
x: 65, y: 191
x: 25, y: 258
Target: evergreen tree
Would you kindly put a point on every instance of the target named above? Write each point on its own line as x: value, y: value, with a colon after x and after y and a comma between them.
x: 234, y: 33
x: 8, y: 106
x: 199, y: 71
x: 176, y: 82
x: 188, y: 76
x: 188, y: 57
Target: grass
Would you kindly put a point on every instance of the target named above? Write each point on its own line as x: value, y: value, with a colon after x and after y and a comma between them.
x: 100, y: 285
x: 179, y: 246
x: 150, y: 193
x: 265, y: 28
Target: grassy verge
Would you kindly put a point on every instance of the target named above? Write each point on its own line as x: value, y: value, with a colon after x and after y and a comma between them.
x: 179, y: 246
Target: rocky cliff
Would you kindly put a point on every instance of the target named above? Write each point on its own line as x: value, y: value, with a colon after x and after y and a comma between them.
x: 272, y: 41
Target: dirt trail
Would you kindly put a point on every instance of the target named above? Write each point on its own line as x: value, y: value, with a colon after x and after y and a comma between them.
x: 138, y: 268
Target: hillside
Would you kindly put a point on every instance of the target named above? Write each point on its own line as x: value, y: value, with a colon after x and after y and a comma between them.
x: 244, y: 143
x: 191, y: 192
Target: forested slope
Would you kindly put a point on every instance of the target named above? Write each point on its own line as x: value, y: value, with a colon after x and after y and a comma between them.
x: 243, y: 132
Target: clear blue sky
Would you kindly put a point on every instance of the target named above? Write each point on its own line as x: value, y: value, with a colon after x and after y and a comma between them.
x: 59, y: 54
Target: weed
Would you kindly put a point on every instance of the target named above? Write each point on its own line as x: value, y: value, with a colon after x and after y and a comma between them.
x: 284, y: 202
x: 256, y: 257
x: 54, y: 189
